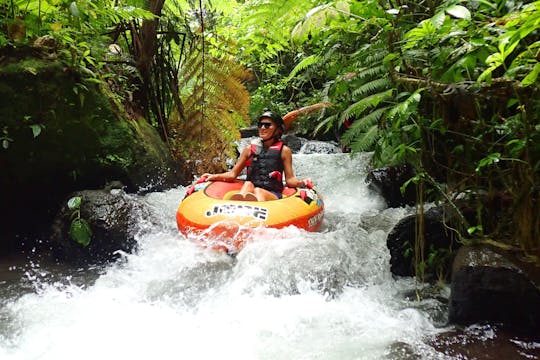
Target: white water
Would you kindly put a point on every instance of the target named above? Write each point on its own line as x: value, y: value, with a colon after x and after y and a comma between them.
x: 288, y: 295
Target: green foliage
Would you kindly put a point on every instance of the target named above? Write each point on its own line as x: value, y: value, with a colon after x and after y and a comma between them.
x: 302, y: 65
x: 79, y: 230
x: 518, y: 28
x: 260, y: 24
x: 404, y: 82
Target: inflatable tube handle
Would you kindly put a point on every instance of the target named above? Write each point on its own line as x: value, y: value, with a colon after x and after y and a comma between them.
x: 201, y: 180
x: 190, y: 190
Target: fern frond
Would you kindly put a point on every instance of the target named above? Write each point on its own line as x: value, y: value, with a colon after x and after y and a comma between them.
x: 363, y: 125
x: 372, y: 57
x: 372, y: 86
x: 372, y: 118
x: 370, y: 54
x: 372, y: 72
x: 366, y: 141
x: 362, y: 105
x: 214, y: 110
x: 302, y: 65
x: 326, y: 124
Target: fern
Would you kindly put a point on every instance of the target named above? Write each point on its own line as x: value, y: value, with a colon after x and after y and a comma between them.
x: 366, y: 140
x: 371, y: 101
x: 263, y: 25
x: 213, y: 109
x: 372, y: 86
x: 356, y: 132
x: 371, y: 55
x: 372, y: 72
x: 326, y: 124
x: 364, y: 123
x: 302, y: 65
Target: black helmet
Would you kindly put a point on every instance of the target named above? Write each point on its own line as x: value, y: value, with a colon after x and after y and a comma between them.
x: 272, y: 115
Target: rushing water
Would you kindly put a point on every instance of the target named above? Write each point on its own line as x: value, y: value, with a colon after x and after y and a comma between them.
x: 288, y: 294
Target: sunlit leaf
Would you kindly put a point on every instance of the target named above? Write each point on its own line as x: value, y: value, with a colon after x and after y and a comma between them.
x: 438, y: 19
x: 74, y: 203
x: 459, y: 11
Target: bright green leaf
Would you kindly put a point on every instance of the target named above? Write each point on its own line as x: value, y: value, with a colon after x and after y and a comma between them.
x: 474, y: 229
x: 488, y: 160
x: 36, y: 129
x: 74, y: 203
x: 438, y: 19
x: 80, y: 232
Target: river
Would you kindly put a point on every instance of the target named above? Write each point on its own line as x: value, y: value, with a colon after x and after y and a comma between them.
x: 288, y: 294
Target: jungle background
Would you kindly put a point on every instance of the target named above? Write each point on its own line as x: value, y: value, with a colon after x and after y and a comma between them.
x: 448, y: 87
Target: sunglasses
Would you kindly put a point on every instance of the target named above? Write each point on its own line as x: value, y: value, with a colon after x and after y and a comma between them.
x: 265, y: 125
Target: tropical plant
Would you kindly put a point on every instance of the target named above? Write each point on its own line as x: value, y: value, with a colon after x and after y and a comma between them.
x: 447, y: 86
x: 79, y: 230
x: 211, y: 100
x: 215, y: 104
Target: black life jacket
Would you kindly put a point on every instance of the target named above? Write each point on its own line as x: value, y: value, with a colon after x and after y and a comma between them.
x: 265, y: 167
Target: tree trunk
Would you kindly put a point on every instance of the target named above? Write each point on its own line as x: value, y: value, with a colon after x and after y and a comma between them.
x: 144, y: 48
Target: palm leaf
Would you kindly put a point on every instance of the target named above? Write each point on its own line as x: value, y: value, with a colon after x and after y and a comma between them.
x: 363, y: 125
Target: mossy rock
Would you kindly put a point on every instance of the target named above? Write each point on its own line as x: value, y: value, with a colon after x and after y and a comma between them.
x: 60, y: 132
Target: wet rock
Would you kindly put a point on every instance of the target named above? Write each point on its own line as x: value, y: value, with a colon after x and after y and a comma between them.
x: 484, y: 341
x: 438, y: 245
x: 294, y: 142
x: 249, y: 131
x: 114, y: 218
x: 319, y: 147
x: 489, y: 286
x: 388, y: 181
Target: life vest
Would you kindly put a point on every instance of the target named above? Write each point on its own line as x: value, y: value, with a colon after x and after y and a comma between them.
x: 265, y: 167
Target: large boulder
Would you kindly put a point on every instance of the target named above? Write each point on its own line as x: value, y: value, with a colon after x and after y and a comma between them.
x: 439, y: 244
x: 294, y: 142
x: 61, y: 132
x: 388, y: 181
x: 319, y: 147
x: 114, y: 218
x: 494, y: 287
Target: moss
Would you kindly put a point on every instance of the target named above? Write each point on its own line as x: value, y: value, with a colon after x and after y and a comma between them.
x: 81, y: 133
x: 33, y: 66
x: 85, y: 141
